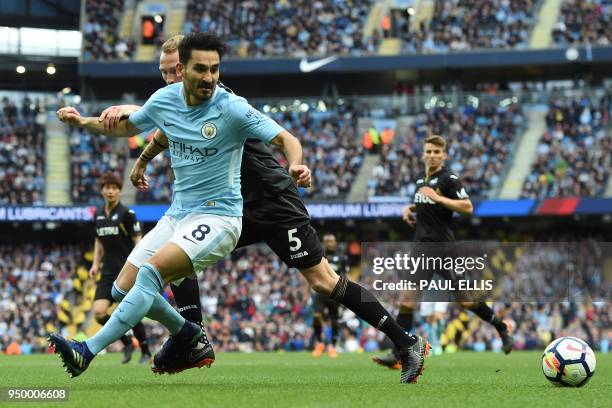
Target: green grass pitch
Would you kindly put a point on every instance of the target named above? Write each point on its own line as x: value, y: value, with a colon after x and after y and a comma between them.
x: 297, y: 380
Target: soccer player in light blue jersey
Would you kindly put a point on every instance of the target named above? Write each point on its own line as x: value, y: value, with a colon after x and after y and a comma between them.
x: 206, y: 127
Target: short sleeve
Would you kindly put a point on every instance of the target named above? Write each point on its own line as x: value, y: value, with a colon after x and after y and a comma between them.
x: 453, y: 188
x: 247, y: 122
x: 143, y: 118
x: 131, y: 224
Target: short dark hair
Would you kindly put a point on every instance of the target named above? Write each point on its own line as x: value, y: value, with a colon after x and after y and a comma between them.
x: 199, y: 41
x: 111, y: 178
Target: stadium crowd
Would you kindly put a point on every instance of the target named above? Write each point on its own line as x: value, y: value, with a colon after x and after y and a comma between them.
x: 91, y: 156
x: 459, y: 25
x: 275, y: 28
x: 34, y: 280
x: 479, y: 145
x: 537, y: 324
x: 101, y: 40
x: 22, y: 152
x: 584, y: 22
x: 331, y: 148
x: 575, y: 153
x: 253, y: 302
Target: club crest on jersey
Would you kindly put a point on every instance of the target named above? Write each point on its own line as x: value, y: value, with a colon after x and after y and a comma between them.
x: 209, y: 130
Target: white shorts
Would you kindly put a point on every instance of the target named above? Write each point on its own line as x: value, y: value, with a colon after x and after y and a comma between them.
x: 205, y: 238
x: 430, y: 308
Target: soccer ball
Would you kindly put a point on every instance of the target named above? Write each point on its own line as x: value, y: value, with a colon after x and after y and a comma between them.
x: 568, y: 361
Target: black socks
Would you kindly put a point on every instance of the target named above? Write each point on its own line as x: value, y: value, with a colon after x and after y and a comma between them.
x: 187, y: 298
x: 361, y: 302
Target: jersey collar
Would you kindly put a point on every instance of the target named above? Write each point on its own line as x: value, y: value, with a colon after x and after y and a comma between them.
x: 433, y: 174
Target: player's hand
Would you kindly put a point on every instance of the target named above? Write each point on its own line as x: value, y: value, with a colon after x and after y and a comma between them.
x: 301, y: 174
x: 111, y: 116
x: 409, y: 215
x: 138, y: 176
x: 70, y: 116
x: 431, y: 193
x: 93, y: 271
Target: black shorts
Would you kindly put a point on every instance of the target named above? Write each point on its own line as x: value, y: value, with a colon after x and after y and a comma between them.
x: 284, y: 224
x: 325, y: 306
x: 104, y: 287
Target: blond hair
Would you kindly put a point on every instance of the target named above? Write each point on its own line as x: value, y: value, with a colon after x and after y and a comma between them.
x: 171, y: 44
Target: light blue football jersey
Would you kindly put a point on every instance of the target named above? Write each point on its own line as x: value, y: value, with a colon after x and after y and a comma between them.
x: 205, y: 143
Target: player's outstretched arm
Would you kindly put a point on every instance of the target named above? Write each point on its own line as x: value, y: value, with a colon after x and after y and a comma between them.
x: 112, y: 115
x: 72, y: 117
x: 158, y: 143
x: 293, y: 151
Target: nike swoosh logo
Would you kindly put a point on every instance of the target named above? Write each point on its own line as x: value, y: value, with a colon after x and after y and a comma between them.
x: 572, y: 348
x: 306, y: 66
x: 195, y: 355
x: 168, y: 124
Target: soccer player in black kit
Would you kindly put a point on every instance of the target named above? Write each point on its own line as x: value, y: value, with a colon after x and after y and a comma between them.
x: 439, y: 193
x: 274, y: 213
x: 324, y: 307
x: 117, y: 231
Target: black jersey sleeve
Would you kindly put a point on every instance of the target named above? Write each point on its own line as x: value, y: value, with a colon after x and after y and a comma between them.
x: 131, y: 224
x: 453, y: 188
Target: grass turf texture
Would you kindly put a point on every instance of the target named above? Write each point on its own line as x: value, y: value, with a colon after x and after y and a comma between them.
x: 296, y: 379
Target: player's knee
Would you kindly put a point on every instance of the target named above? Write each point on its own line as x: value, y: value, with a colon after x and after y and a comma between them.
x: 317, y: 317
x: 322, y: 284
x: 320, y: 279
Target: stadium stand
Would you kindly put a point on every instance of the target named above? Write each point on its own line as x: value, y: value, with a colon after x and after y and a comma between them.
x: 584, y: 22
x: 22, y: 151
x: 479, y: 141
x: 90, y: 157
x: 35, y: 280
x: 276, y: 28
x: 459, y: 25
x: 331, y: 148
x: 575, y: 153
x: 251, y: 302
x: 538, y: 324
x: 101, y: 41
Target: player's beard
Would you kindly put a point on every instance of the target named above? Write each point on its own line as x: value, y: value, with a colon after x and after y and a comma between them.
x: 207, y: 92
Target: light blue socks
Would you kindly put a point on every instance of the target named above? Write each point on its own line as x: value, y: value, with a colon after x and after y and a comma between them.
x: 143, y: 299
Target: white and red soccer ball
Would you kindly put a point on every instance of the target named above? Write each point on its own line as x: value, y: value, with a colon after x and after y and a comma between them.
x: 568, y: 361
